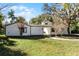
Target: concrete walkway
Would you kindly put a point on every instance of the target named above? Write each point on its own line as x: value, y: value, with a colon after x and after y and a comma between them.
x: 61, y: 38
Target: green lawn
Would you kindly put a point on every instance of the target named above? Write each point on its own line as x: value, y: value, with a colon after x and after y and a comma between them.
x: 2, y: 36
x: 40, y: 47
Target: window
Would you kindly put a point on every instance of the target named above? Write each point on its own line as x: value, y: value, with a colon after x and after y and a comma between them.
x: 46, y: 23
x: 21, y: 29
x: 52, y: 30
x: 25, y: 29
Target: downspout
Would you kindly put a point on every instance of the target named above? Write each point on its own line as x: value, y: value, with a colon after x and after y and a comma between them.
x: 30, y: 30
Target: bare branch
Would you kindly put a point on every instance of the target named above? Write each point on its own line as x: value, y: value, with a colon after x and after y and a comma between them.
x: 3, y: 6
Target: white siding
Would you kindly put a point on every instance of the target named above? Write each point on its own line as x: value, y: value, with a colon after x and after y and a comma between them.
x: 47, y: 30
x: 46, y: 22
x: 36, y: 30
x: 12, y: 30
x: 28, y: 30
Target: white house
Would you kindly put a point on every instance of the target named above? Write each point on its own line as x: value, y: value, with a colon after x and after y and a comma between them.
x: 28, y: 30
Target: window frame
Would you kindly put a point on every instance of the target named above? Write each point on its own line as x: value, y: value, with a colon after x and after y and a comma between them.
x: 25, y: 30
x: 52, y: 30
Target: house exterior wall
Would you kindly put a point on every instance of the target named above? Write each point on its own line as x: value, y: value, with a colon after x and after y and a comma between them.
x: 36, y: 30
x: 46, y: 30
x: 12, y: 30
x: 46, y: 22
x: 27, y: 33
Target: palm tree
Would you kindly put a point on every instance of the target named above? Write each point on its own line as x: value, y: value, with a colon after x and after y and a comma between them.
x: 11, y: 15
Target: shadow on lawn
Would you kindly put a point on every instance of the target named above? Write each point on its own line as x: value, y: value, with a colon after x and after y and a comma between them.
x: 67, y: 36
x: 5, y: 51
x: 30, y: 37
x: 71, y: 37
x: 11, y: 43
x: 37, y: 37
x: 8, y: 42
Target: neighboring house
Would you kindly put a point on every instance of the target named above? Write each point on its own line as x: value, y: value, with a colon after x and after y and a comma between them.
x: 28, y: 30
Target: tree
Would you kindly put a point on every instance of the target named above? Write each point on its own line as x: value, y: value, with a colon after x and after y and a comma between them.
x: 34, y: 21
x: 71, y: 13
x: 1, y: 19
x: 11, y: 15
x: 58, y: 23
x: 61, y: 18
x: 46, y: 8
x: 40, y: 18
x: 21, y: 21
x: 75, y: 27
x: 65, y: 15
x: 3, y: 7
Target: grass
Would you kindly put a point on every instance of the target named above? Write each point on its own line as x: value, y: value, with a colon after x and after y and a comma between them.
x: 2, y: 36
x: 40, y: 47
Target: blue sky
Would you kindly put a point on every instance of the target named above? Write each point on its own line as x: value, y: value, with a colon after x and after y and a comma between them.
x: 27, y: 10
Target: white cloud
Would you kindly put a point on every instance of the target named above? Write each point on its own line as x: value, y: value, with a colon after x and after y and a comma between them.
x: 13, y: 7
x: 26, y: 12
x: 26, y: 15
x: 21, y: 8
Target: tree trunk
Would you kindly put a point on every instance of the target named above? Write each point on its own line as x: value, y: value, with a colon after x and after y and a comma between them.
x: 20, y: 31
x: 68, y: 29
x: 56, y: 32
